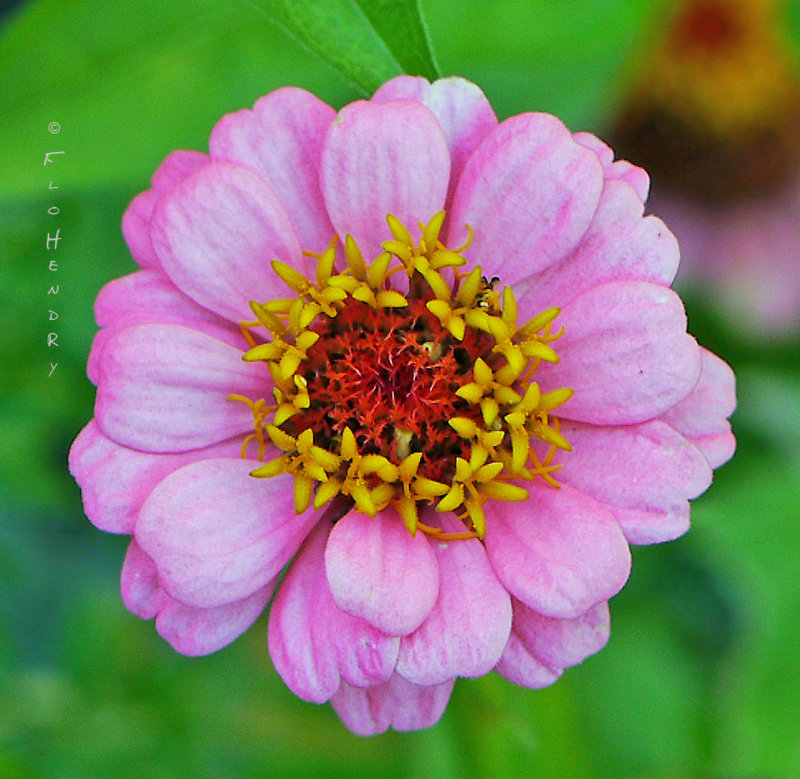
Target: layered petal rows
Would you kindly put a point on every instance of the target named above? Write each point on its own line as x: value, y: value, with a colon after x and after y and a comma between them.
x: 376, y: 619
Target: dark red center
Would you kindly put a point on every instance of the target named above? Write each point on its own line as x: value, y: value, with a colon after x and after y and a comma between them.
x: 391, y: 375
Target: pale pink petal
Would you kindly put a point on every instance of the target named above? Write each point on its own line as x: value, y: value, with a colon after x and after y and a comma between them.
x: 462, y: 110
x: 529, y: 192
x: 561, y: 643
x: 625, y: 352
x: 141, y: 592
x: 379, y: 159
x: 216, y: 534
x: 149, y: 296
x: 136, y: 228
x: 216, y: 233
x: 177, y: 166
x: 378, y: 572
x: 560, y: 552
x: 192, y: 631
x: 518, y: 665
x: 620, y: 245
x: 281, y: 140
x: 467, y: 630
x: 116, y: 480
x: 136, y: 220
x: 397, y: 704
x: 653, y: 526
x: 637, y: 471
x: 313, y: 643
x: 635, y: 176
x: 703, y: 416
x: 165, y: 388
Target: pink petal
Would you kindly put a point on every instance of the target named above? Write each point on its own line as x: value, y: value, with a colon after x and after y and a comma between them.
x: 281, y: 140
x: 653, y: 526
x: 313, y: 643
x: 621, y: 170
x: 190, y: 631
x: 116, y: 480
x: 149, y: 296
x: 462, y: 110
x: 136, y: 220
x: 378, y: 572
x: 620, y: 245
x: 164, y: 388
x: 468, y: 628
x: 216, y: 233
x: 397, y: 704
x: 703, y: 416
x: 519, y: 666
x: 216, y: 534
x: 379, y: 159
x: 560, y: 552
x: 529, y: 192
x: 193, y: 631
x: 648, y: 469
x: 561, y: 643
x: 625, y: 352
x: 141, y: 592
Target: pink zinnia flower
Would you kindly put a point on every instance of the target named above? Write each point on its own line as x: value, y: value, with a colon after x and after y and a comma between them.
x: 449, y: 422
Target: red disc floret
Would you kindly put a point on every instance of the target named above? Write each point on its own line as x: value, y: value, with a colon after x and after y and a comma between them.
x: 390, y: 375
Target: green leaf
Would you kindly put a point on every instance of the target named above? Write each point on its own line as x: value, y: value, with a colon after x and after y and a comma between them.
x: 400, y: 24
x: 366, y: 41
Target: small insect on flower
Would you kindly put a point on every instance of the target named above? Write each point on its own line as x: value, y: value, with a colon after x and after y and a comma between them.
x: 416, y: 373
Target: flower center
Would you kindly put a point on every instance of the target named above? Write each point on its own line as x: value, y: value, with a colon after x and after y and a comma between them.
x: 389, y: 398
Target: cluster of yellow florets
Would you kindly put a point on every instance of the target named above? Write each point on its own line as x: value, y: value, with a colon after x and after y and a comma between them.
x: 388, y: 398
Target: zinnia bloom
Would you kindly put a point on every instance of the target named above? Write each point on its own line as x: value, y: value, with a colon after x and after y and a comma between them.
x: 427, y: 363
x: 713, y: 117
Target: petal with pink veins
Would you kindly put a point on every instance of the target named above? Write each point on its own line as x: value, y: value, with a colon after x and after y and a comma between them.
x: 116, y: 480
x: 149, y: 296
x: 216, y: 534
x: 519, y: 666
x: 703, y: 416
x: 313, y: 643
x: 397, y: 704
x: 620, y: 245
x: 281, y: 140
x: 379, y: 159
x: 141, y: 592
x: 190, y: 631
x: 136, y: 220
x: 217, y: 232
x: 467, y: 630
x: 165, y: 388
x: 639, y: 472
x: 561, y: 643
x: 625, y: 352
x: 560, y: 552
x: 623, y: 170
x: 529, y: 193
x: 462, y: 110
x: 193, y: 632
x: 378, y: 572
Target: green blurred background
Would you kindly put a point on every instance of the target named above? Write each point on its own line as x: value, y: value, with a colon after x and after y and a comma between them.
x: 700, y: 676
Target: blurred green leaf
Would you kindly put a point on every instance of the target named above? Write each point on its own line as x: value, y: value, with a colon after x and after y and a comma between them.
x: 366, y: 41
x: 130, y: 82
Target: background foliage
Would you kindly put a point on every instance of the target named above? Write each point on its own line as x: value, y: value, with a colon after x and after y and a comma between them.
x: 699, y: 678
